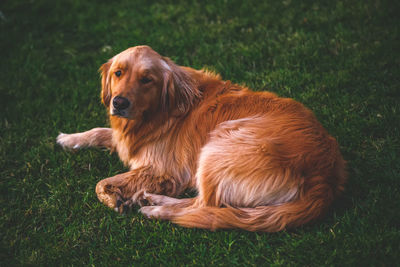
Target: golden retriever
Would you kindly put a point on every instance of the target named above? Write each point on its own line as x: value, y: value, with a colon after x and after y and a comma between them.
x: 258, y: 162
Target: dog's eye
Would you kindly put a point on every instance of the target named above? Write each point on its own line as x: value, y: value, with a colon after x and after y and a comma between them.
x: 118, y: 73
x: 145, y: 80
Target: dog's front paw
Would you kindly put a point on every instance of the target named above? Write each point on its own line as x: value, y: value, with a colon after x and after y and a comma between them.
x: 110, y: 196
x: 70, y: 141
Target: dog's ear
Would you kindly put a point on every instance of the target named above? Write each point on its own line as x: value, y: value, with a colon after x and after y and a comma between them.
x: 105, y: 83
x: 179, y: 90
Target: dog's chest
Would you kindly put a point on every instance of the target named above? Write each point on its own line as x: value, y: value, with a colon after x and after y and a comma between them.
x: 122, y: 146
x: 161, y: 157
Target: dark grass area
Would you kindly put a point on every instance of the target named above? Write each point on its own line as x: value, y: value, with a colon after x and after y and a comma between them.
x: 340, y: 58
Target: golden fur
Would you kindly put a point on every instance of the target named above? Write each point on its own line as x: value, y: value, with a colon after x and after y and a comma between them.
x: 259, y: 162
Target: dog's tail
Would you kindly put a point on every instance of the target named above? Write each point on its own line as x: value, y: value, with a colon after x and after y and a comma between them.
x: 306, y: 208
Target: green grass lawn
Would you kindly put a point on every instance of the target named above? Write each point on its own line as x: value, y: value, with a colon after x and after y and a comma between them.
x: 339, y: 58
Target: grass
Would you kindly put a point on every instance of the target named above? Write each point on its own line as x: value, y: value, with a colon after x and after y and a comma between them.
x: 340, y: 58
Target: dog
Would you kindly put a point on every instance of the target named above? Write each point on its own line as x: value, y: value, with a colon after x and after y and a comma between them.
x: 258, y: 162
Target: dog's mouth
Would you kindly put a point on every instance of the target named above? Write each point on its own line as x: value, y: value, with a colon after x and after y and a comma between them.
x: 119, y: 113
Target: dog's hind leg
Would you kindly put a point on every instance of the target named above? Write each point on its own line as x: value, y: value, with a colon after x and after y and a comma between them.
x: 166, y: 208
x: 162, y: 200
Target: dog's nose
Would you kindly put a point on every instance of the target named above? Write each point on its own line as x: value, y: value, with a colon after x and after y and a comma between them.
x: 120, y: 102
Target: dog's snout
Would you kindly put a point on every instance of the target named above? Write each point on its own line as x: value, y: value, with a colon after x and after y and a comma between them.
x: 120, y: 102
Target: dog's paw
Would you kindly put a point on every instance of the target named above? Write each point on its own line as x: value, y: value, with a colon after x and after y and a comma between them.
x: 124, y: 206
x: 70, y: 141
x: 152, y: 212
x: 147, y: 199
x: 110, y: 196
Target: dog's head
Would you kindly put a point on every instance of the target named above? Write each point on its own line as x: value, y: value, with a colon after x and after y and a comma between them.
x: 139, y: 81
